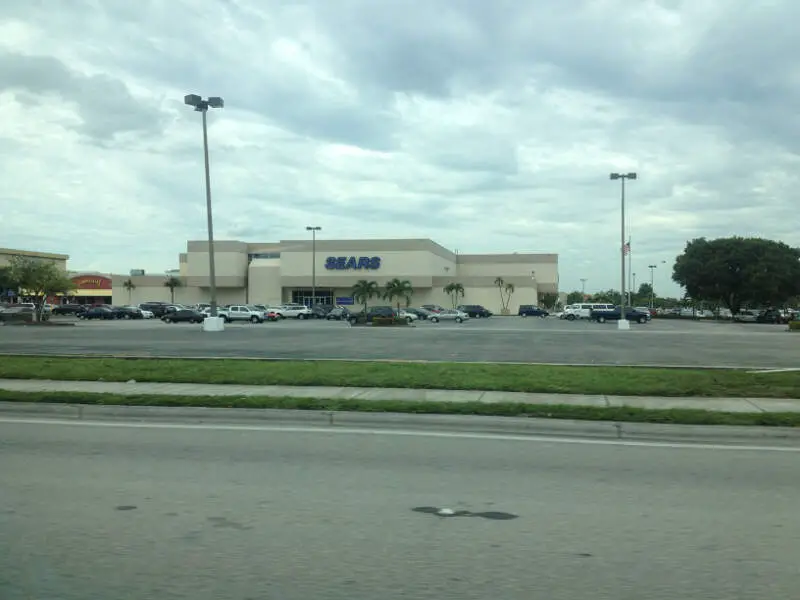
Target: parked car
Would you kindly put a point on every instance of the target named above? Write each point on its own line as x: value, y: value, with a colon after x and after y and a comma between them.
x: 631, y: 314
x: 420, y: 312
x: 433, y: 308
x: 67, y: 309
x: 772, y: 315
x: 241, y: 312
x: 372, y: 312
x: 184, y: 315
x: 644, y: 310
x: 449, y: 315
x: 320, y: 311
x: 157, y: 308
x: 97, y: 312
x: 475, y: 311
x: 530, y: 310
x: 584, y: 310
x: 127, y: 312
x: 746, y: 316
x: 340, y: 313
x: 292, y: 311
x: 410, y: 317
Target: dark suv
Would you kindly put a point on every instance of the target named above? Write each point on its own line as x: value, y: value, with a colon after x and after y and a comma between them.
x: 475, y: 311
x: 372, y: 312
x: 159, y: 309
x: 529, y: 310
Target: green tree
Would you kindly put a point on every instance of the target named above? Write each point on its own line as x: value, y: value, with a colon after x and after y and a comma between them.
x: 6, y: 281
x: 574, y: 297
x: 506, y: 291
x: 737, y: 271
x: 172, y: 283
x: 644, y: 294
x: 607, y: 297
x: 38, y: 279
x: 398, y: 289
x: 130, y: 286
x: 454, y: 290
x: 363, y: 291
x: 548, y: 300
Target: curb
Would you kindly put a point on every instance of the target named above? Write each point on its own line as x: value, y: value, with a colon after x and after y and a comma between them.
x: 132, y: 356
x: 533, y: 427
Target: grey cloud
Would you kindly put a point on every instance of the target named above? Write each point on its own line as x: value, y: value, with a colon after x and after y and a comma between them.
x: 733, y: 69
x: 106, y: 105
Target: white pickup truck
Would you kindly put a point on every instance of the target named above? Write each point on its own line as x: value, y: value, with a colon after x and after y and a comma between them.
x: 240, y: 312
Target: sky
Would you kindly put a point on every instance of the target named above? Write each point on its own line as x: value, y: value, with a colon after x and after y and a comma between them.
x: 485, y: 126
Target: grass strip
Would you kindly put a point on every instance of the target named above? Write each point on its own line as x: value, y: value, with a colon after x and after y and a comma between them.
x: 508, y: 409
x: 614, y: 381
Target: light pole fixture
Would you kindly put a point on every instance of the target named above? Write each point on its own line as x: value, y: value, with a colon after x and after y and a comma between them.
x: 652, y: 293
x: 623, y: 322
x: 202, y: 105
x: 313, y: 231
x: 583, y: 288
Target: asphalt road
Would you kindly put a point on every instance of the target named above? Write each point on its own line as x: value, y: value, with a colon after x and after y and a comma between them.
x: 511, y: 339
x: 180, y: 512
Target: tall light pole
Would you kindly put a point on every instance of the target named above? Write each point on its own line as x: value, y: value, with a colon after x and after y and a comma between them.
x: 633, y: 286
x: 623, y: 322
x: 313, y: 231
x: 202, y: 106
x: 652, y: 293
x: 583, y: 288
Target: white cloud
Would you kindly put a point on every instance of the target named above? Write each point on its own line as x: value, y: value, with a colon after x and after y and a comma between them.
x: 489, y: 127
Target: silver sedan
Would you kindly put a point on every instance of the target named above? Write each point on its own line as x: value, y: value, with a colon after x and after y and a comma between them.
x: 448, y: 315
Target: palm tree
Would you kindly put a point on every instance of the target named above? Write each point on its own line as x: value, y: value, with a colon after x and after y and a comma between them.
x: 506, y: 290
x: 130, y: 286
x: 454, y: 290
x: 397, y: 288
x: 172, y: 282
x: 363, y: 291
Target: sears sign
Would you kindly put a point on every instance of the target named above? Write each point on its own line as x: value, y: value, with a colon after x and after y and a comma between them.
x: 344, y: 263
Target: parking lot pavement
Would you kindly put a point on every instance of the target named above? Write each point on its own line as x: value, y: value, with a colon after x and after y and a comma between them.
x: 508, y: 339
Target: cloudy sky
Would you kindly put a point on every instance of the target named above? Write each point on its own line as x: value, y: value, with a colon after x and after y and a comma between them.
x: 486, y: 126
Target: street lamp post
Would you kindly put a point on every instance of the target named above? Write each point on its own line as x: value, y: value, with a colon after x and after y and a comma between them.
x: 652, y: 279
x: 633, y: 287
x: 583, y: 288
x: 202, y: 105
x: 313, y: 231
x: 623, y: 322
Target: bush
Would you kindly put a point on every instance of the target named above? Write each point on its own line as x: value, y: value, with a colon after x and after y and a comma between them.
x: 794, y: 325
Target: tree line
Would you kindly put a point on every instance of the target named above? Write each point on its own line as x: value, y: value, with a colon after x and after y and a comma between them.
x: 733, y: 272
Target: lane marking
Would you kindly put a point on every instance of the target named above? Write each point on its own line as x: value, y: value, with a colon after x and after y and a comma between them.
x: 327, y: 430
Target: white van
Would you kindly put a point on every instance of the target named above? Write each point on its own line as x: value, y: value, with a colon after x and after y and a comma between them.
x: 584, y: 310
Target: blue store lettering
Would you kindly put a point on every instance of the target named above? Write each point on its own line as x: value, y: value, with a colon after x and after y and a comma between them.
x: 345, y: 263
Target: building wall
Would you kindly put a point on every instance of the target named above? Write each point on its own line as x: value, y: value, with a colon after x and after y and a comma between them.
x: 60, y: 260
x: 264, y: 282
x: 244, y: 275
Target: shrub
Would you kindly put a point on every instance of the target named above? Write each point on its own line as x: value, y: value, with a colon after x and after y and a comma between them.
x: 387, y: 321
x: 794, y: 325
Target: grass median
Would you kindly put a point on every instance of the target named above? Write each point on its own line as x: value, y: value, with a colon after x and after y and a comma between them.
x: 616, y: 381
x: 509, y: 409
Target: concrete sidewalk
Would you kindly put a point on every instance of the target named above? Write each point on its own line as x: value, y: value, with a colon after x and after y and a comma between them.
x: 748, y: 405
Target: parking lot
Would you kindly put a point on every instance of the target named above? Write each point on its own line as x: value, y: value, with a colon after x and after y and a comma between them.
x: 499, y: 339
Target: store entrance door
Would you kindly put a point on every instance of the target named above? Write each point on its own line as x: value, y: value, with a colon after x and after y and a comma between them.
x: 304, y: 297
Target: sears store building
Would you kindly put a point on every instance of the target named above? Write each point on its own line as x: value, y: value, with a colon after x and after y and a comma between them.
x: 274, y: 273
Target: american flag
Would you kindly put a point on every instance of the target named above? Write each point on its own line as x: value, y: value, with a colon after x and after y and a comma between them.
x: 626, y: 249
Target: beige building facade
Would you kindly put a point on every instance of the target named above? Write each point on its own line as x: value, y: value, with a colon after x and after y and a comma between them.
x: 59, y: 260
x: 286, y: 271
